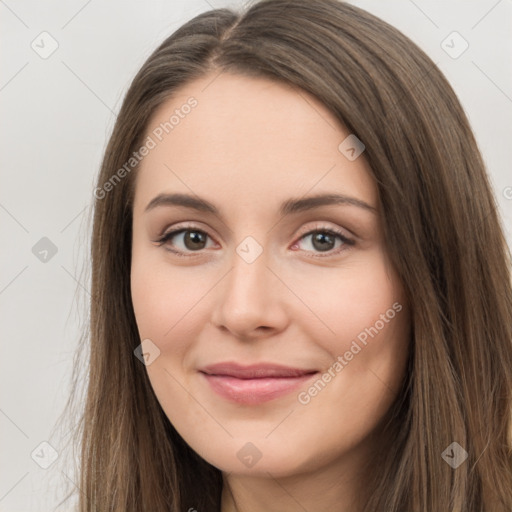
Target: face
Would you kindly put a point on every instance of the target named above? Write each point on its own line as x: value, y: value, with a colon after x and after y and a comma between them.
x: 276, y: 326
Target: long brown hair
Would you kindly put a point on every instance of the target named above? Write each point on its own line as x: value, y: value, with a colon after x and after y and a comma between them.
x: 442, y: 233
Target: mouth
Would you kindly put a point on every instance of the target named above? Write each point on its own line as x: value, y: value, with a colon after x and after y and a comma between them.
x: 254, y: 384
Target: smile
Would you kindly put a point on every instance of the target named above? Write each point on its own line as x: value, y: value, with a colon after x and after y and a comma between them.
x: 254, y: 384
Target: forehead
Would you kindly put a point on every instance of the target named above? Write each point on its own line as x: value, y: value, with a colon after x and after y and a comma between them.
x: 249, y: 139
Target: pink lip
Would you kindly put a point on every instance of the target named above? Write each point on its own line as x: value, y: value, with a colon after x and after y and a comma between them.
x: 254, y: 384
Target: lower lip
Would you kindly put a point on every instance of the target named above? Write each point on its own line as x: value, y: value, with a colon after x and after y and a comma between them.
x: 254, y: 391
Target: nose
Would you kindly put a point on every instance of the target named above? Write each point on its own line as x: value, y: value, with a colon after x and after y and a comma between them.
x: 250, y: 299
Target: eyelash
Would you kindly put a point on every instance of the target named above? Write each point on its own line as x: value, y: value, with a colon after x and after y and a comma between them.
x: 319, y: 229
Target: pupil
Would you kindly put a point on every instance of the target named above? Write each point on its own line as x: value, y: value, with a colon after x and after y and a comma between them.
x: 320, y: 238
x: 193, y: 238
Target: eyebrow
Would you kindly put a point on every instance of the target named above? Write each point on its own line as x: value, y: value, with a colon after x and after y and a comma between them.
x: 288, y: 207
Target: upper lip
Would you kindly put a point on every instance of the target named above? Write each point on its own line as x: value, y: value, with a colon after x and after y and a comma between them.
x: 254, y: 371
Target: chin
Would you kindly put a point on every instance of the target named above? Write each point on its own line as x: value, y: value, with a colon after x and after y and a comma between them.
x: 260, y: 457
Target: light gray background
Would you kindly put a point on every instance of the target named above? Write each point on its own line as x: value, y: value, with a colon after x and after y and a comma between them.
x: 57, y: 114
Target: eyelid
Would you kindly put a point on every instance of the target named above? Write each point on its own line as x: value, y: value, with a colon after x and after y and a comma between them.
x: 181, y: 226
x: 323, y: 226
x: 319, y: 226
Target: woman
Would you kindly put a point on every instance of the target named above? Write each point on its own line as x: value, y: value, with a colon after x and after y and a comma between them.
x: 301, y: 289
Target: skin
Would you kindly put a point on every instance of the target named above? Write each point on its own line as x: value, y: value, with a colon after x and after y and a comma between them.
x: 247, y: 146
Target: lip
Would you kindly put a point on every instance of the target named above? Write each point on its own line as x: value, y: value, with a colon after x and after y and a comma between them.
x: 254, y: 384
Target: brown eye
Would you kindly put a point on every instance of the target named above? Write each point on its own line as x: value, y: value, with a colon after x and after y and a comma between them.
x: 183, y: 240
x: 324, y: 241
x: 194, y: 240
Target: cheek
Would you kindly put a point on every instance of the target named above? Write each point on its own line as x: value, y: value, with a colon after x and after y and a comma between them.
x: 164, y: 300
x: 335, y: 306
x: 330, y: 308
x: 165, y: 303
x: 365, y: 331
x: 348, y: 301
